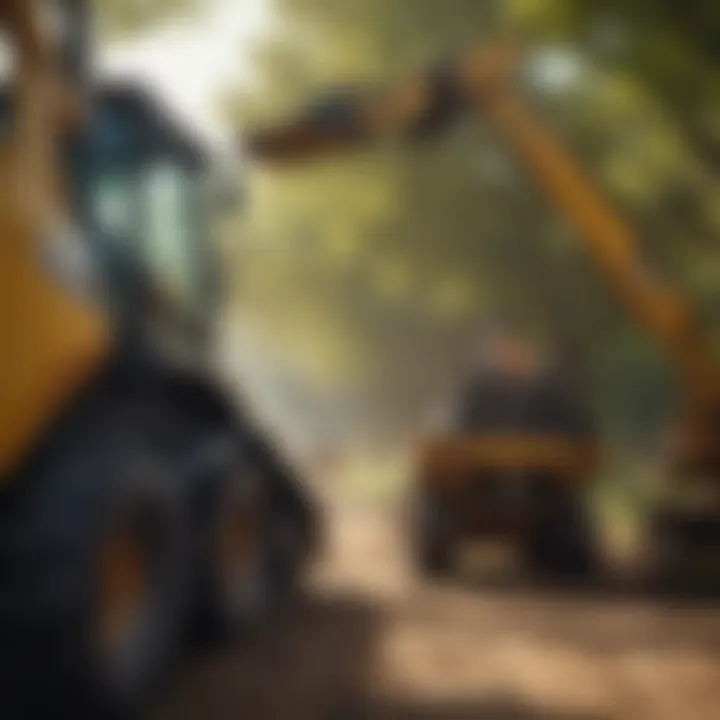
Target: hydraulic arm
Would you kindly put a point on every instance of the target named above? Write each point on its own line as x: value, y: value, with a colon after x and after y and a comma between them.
x: 482, y: 80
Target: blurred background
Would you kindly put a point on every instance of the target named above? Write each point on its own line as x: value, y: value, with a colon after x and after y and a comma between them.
x: 357, y: 294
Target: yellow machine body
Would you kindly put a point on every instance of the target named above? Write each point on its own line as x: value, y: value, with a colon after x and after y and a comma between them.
x: 53, y: 335
x: 52, y: 343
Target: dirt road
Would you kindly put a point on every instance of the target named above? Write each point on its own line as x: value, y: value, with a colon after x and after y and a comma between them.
x: 371, y: 642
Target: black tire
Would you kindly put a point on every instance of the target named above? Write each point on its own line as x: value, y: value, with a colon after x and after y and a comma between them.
x: 432, y: 537
x: 562, y: 544
x: 101, y: 480
x: 679, y: 546
x: 670, y: 552
x: 293, y: 522
x: 292, y: 544
x: 235, y: 593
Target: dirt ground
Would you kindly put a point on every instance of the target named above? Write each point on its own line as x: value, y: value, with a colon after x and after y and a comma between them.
x: 370, y: 641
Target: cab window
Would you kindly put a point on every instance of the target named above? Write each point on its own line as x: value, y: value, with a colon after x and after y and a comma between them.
x: 115, y: 206
x: 169, y: 235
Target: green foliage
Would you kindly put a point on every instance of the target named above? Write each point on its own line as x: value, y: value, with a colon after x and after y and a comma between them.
x: 376, y: 268
x: 124, y: 16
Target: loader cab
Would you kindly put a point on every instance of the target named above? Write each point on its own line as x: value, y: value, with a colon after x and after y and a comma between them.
x: 139, y: 189
x: 140, y: 184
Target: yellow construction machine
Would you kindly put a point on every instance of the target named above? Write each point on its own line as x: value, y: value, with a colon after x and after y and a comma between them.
x: 139, y: 502
x: 513, y: 461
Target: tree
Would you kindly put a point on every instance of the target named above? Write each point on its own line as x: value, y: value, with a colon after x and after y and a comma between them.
x: 123, y: 16
x: 401, y: 254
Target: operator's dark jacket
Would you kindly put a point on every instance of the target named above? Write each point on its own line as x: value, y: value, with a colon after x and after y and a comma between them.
x: 494, y: 402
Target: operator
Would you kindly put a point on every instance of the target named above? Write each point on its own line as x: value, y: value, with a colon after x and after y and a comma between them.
x: 509, y: 387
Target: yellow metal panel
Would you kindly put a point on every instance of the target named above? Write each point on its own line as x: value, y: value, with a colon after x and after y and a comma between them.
x: 52, y: 339
x: 51, y: 342
x: 452, y: 459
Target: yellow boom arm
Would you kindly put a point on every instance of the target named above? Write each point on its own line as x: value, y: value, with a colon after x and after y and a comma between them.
x: 480, y: 79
